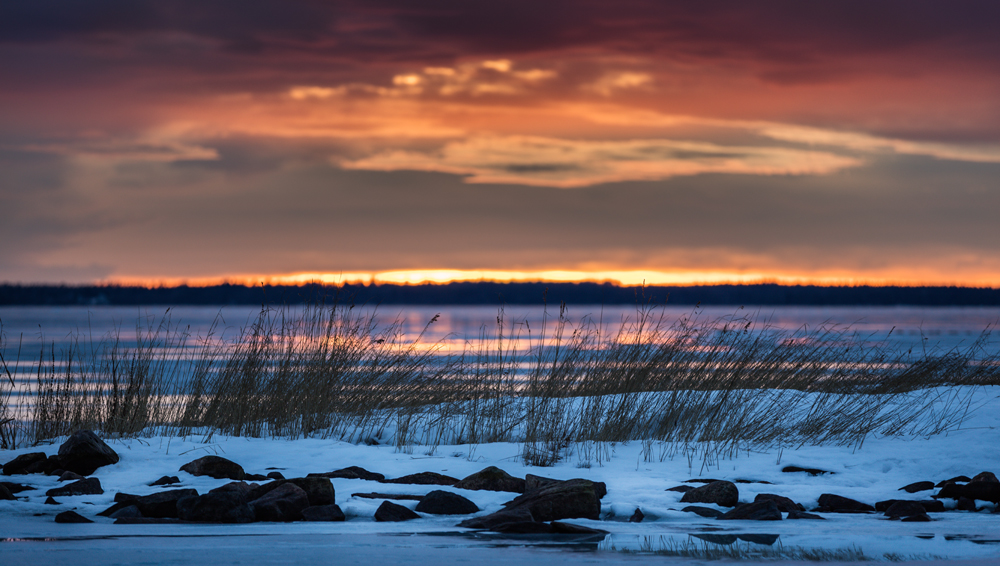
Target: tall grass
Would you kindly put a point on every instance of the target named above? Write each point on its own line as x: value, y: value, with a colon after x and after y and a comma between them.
x: 694, y: 386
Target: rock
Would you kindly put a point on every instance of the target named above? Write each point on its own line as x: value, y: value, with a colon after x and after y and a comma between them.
x: 319, y: 489
x: 425, y: 478
x: 982, y: 490
x: 492, y: 479
x: 389, y: 512
x: 766, y: 510
x: 785, y: 505
x: 904, y: 509
x: 533, y: 483
x: 390, y: 496
x: 985, y: 476
x: 681, y: 488
x: 520, y: 515
x: 918, y: 486
x: 16, y: 487
x: 49, y: 466
x: 5, y: 494
x: 351, y: 473
x: 956, y: 479
x: 810, y: 471
x: 19, y: 465
x: 440, y: 502
x: 166, y: 480
x: 162, y: 505
x: 127, y: 511
x: 219, y: 507
x: 803, y: 515
x: 282, y: 504
x: 275, y: 476
x: 89, y: 486
x: 916, y: 519
x: 560, y: 528
x: 716, y: 539
x: 323, y: 513
x: 929, y: 505
x: 241, y: 487
x: 706, y: 512
x: 636, y: 517
x: 255, y: 477
x: 70, y: 476
x: 524, y: 528
x: 84, y: 452
x: 216, y: 467
x: 830, y: 503
x: 147, y: 521
x: 722, y: 493
x: 71, y: 517
x: 577, y: 498
x: 966, y: 504
x: 759, y: 538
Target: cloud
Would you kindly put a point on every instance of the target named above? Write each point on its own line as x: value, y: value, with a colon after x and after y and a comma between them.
x: 566, y: 163
x: 613, y: 82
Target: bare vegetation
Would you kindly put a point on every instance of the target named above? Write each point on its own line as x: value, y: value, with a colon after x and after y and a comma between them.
x: 701, y: 388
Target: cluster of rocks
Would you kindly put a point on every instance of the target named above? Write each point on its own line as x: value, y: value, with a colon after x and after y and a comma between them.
x: 770, y: 507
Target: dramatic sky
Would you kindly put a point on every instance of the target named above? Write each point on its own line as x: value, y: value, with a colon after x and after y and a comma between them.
x: 847, y: 141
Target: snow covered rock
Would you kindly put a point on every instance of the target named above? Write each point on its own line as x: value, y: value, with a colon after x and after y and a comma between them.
x: 84, y: 452
x: 216, y: 467
x: 492, y: 479
x: 440, y: 502
x: 722, y: 493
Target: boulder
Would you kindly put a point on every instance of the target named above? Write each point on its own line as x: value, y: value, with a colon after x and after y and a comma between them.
x: 985, y: 476
x: 810, y: 471
x: 282, y: 504
x: 553, y: 528
x: 255, y: 477
x: 89, y: 486
x: 16, y: 487
x: 803, y: 515
x: 389, y: 512
x: 706, y: 512
x: 956, y: 479
x: 924, y: 518
x: 84, y: 452
x: 50, y: 501
x: 327, y: 513
x: 351, y: 473
x: 390, y: 496
x: 277, y: 476
x: 440, y: 502
x: 929, y: 505
x: 982, y: 490
x: 70, y: 476
x: 5, y: 494
x: 636, y: 517
x: 901, y: 509
x: 127, y: 511
x: 830, y: 503
x: 162, y: 505
x: 489, y: 522
x: 71, y: 517
x: 966, y: 504
x: 533, y: 483
x: 19, y: 465
x: 166, y: 480
x: 425, y: 478
x: 766, y: 510
x: 680, y: 488
x: 759, y: 538
x: 237, y: 486
x: 219, y: 507
x: 216, y: 467
x: 492, y: 479
x: 318, y: 489
x: 716, y: 539
x: 722, y: 493
x: 918, y: 486
x: 785, y: 505
x: 577, y: 498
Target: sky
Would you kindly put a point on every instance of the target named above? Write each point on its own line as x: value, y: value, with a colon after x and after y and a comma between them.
x: 660, y: 141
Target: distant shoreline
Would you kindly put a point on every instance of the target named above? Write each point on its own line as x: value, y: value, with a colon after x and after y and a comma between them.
x: 489, y: 293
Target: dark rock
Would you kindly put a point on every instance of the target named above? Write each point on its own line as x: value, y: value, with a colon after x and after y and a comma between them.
x: 982, y: 490
x: 966, y: 504
x: 275, y: 476
x: 560, y: 528
x: 241, y: 487
x: 390, y: 496
x: 148, y: 521
x: 766, y: 510
x: 255, y: 477
x: 21, y: 463
x: 722, y: 493
x: 681, y: 488
x: 71, y: 517
x: 440, y: 502
x: 113, y: 509
x: 70, y: 476
x: 985, y: 476
x: 389, y: 512
x: 319, y: 489
x: 706, y: 512
x: 577, y: 498
x: 785, y: 505
x: 929, y: 505
x: 830, y: 503
x: 520, y: 515
x: 50, y: 501
x: 956, y: 479
x: 764, y: 539
x: 89, y: 486
x: 636, y: 517
x: 5, y: 494
x: 904, y: 509
x: 282, y: 504
x: 327, y: 513
x: 216, y: 467
x: 803, y: 515
x: 534, y: 483
x: 84, y: 452
x: 916, y: 519
x: 492, y: 479
x: 220, y: 507
x: 122, y: 497
x: 753, y: 481
x: 810, y: 471
x: 166, y: 480
x: 425, y: 478
x: 127, y: 511
x: 702, y: 480
x: 523, y: 528
x: 162, y: 505
x: 49, y: 466
x: 716, y: 539
x: 351, y: 473
x: 17, y: 487
x: 918, y: 486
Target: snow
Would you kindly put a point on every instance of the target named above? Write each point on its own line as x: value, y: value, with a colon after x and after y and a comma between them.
x: 873, y: 472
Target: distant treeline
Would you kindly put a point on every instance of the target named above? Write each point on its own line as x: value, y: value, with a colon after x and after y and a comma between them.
x: 487, y: 293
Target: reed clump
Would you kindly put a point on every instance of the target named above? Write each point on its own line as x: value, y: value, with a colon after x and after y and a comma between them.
x: 691, y: 386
